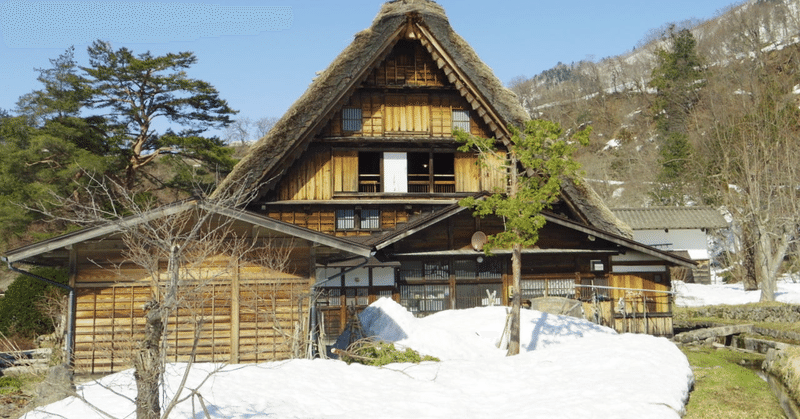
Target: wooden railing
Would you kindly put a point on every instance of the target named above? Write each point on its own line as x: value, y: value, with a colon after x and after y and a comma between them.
x: 369, y: 183
x: 421, y: 183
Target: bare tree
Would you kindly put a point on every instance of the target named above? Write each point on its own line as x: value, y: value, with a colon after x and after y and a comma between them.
x: 185, y: 250
x: 751, y: 160
x: 245, y: 130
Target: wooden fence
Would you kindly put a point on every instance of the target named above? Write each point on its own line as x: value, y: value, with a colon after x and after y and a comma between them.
x: 231, y: 321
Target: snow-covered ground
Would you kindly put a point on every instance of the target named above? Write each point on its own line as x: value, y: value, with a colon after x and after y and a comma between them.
x: 569, y: 368
x: 695, y: 295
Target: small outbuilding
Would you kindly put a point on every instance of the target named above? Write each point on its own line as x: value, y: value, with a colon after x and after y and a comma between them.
x: 684, y: 230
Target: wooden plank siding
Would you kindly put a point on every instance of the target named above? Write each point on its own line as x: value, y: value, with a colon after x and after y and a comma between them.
x: 110, y: 320
x: 323, y: 217
x: 345, y: 171
x: 427, y: 114
x: 236, y: 309
x: 325, y: 171
x: 640, y: 301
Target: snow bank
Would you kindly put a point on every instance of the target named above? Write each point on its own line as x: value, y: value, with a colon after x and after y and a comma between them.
x: 697, y: 295
x: 569, y: 369
x: 471, y: 333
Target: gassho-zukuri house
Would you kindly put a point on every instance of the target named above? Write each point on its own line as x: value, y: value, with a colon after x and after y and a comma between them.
x: 362, y: 177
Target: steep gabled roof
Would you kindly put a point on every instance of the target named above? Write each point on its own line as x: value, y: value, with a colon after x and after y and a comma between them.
x: 33, y: 251
x: 671, y: 217
x: 425, y: 21
x: 415, y: 19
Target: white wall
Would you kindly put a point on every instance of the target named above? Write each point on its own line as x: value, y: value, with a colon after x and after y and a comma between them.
x: 694, y: 241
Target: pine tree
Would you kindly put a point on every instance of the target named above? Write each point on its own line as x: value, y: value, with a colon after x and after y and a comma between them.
x: 138, y: 89
x: 539, y: 159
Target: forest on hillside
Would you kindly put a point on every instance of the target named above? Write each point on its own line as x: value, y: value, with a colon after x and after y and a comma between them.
x: 700, y: 114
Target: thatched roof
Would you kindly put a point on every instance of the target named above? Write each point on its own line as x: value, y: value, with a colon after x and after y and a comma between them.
x: 425, y: 20
x: 309, y: 114
x: 587, y: 205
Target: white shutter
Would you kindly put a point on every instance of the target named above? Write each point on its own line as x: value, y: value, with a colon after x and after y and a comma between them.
x: 395, y: 172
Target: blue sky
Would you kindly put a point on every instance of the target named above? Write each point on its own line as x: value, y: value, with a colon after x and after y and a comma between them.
x: 261, y: 56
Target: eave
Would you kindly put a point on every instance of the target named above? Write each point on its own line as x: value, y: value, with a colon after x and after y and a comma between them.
x: 28, y: 252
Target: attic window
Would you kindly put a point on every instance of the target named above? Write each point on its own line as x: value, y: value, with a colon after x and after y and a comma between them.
x: 351, y: 119
x: 461, y: 119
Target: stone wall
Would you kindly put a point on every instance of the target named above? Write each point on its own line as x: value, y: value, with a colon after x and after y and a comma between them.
x: 778, y: 313
x: 785, y: 364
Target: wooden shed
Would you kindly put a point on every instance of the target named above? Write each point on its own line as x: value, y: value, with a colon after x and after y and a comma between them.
x: 240, y: 306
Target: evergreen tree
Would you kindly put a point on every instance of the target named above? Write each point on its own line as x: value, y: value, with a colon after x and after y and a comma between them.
x: 678, y: 77
x: 539, y: 159
x: 137, y: 90
x: 21, y: 309
x: 36, y: 164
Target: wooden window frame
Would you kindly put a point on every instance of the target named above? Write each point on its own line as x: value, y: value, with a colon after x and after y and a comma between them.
x: 352, y: 119
x: 358, y: 219
x: 458, y: 121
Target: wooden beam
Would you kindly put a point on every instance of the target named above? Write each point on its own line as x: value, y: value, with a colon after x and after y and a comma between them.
x: 235, y: 310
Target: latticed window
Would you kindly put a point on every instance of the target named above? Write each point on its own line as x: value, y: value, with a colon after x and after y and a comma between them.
x: 461, y: 119
x: 351, y: 119
x: 345, y: 219
x: 364, y: 219
x: 427, y: 298
x: 370, y: 219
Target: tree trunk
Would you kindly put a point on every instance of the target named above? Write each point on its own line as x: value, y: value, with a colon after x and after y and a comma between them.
x: 148, y: 367
x: 749, y: 274
x: 516, y: 302
x: 763, y: 268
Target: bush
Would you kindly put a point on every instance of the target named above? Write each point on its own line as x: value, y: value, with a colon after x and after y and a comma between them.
x: 379, y: 353
x: 21, y: 309
x: 10, y: 385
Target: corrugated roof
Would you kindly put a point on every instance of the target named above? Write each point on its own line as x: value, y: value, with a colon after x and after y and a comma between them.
x: 671, y: 217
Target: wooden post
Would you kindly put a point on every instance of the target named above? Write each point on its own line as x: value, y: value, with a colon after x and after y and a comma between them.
x: 235, y: 309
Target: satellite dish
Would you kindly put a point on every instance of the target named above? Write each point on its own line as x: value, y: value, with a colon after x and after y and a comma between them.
x: 478, y: 240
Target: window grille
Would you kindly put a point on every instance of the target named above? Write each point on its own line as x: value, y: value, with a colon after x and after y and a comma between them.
x: 410, y: 270
x: 423, y: 299
x: 357, y: 296
x: 478, y: 295
x: 490, y: 268
x: 370, y: 219
x: 334, y: 296
x: 345, y: 219
x: 461, y: 119
x: 435, y: 270
x: 351, y: 119
x: 555, y: 287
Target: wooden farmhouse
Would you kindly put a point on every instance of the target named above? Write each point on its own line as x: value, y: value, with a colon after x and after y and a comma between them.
x: 677, y: 229
x: 360, y: 181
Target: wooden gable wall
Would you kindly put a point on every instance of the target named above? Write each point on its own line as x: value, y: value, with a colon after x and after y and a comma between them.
x: 407, y: 104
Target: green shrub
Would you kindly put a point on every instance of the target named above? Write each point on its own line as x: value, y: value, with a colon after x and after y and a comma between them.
x: 10, y: 385
x: 379, y: 353
x: 21, y: 309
